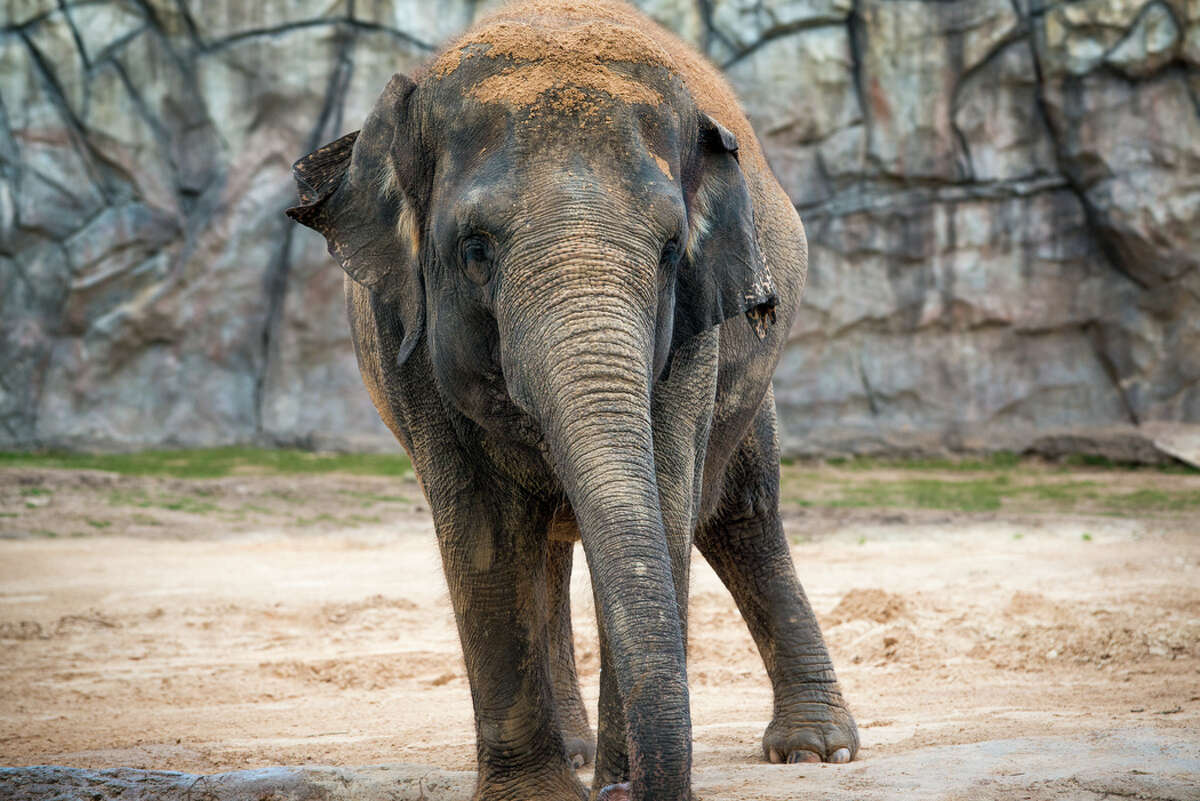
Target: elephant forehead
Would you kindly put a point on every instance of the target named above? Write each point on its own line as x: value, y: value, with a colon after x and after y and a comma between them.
x: 568, y: 44
x: 544, y: 86
x: 557, y: 64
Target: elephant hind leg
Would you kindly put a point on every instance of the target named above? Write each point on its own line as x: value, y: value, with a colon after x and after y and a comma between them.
x: 569, y: 709
x: 746, y: 546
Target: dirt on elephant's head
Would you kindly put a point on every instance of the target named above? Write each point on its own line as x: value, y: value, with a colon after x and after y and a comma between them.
x: 570, y: 42
x: 544, y: 86
x: 547, y: 66
x: 549, y: 46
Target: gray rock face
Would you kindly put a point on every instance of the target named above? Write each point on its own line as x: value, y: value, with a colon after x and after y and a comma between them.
x: 1002, y: 201
x: 398, y: 782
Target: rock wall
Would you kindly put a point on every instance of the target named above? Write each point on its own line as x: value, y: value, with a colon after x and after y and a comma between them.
x: 1002, y: 199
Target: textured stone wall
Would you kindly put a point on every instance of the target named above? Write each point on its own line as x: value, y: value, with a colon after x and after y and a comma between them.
x: 1002, y: 199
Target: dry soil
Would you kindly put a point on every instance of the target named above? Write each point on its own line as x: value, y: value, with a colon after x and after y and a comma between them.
x: 226, y: 624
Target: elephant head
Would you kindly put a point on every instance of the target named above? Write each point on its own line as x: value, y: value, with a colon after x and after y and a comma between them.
x: 550, y: 234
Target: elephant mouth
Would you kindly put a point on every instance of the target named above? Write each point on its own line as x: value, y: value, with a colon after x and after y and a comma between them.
x: 502, y: 415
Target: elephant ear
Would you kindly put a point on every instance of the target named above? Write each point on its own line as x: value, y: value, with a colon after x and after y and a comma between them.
x: 356, y: 192
x: 723, y: 273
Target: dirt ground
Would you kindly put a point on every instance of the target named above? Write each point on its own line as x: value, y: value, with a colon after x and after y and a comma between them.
x: 224, y: 624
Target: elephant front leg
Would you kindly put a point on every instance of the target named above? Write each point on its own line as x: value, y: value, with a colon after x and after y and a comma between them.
x: 612, y: 752
x: 494, y: 555
x: 572, y: 715
x: 747, y: 548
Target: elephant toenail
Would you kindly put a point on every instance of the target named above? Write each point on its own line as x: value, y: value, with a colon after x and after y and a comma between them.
x: 615, y: 792
x: 840, y: 755
x: 775, y: 756
x: 577, y: 761
x: 803, y: 756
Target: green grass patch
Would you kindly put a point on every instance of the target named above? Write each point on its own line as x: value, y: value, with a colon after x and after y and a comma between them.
x: 216, y: 462
x: 998, y: 461
x: 1148, y: 500
x: 369, y: 499
x: 182, y: 503
x: 346, y: 520
x: 995, y: 483
x: 1062, y: 494
x: 34, y: 492
x: 1001, y: 460
x: 974, y: 495
x: 98, y: 523
x: 126, y: 498
x: 990, y: 493
x: 174, y: 503
x: 1093, y: 461
x: 324, y: 517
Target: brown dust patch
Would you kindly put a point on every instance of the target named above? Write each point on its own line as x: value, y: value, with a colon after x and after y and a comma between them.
x: 546, y: 87
x: 575, y: 38
x: 663, y: 165
x: 573, y: 44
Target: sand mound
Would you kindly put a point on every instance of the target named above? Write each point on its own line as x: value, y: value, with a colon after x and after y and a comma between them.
x: 876, y: 605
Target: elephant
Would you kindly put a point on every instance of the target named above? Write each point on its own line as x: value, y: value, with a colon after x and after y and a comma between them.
x: 570, y: 274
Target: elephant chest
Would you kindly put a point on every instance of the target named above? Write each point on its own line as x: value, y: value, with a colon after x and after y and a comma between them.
x: 562, y: 526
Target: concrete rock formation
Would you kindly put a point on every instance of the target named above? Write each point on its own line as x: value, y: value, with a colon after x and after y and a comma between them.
x: 1002, y: 199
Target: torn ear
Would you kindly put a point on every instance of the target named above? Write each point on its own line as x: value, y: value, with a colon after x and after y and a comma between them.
x: 355, y: 191
x: 318, y: 174
x: 724, y: 273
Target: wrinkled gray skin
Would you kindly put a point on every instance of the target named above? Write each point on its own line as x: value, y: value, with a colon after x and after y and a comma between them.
x: 562, y: 299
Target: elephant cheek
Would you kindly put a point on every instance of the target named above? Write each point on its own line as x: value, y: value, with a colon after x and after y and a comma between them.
x: 461, y: 354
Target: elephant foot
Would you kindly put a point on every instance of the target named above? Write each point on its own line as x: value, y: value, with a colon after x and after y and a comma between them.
x: 811, y: 732
x: 560, y: 785
x: 615, y: 792
x: 578, y: 739
x: 581, y: 748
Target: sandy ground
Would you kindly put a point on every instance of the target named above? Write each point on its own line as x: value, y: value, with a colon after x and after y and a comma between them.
x: 209, y: 626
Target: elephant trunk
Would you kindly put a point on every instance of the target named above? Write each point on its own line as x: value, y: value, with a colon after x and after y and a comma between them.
x: 583, y: 371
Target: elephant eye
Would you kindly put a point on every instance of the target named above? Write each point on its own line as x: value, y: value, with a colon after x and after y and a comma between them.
x: 476, y: 254
x: 670, y: 253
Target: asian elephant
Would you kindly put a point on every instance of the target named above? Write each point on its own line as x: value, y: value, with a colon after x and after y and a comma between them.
x: 569, y: 277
